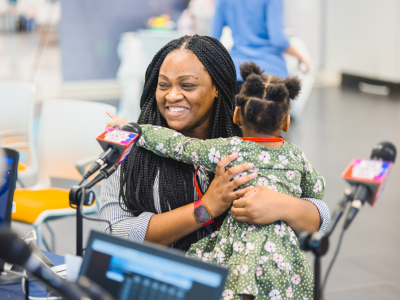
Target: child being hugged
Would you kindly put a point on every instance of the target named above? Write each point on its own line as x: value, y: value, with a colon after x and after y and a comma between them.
x: 265, y: 262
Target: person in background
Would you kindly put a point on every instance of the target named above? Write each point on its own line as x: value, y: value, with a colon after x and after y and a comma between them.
x: 258, y: 34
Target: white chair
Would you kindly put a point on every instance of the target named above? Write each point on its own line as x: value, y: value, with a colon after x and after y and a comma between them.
x: 16, y: 121
x: 67, y: 133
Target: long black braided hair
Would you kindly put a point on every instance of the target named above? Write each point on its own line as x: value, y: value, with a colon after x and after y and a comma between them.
x: 139, y: 171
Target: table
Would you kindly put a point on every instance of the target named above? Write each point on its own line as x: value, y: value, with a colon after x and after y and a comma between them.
x: 36, y: 289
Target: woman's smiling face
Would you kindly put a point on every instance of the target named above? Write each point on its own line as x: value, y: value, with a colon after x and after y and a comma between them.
x: 185, y: 94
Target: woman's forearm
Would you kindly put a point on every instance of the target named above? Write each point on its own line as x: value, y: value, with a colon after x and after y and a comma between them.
x: 299, y: 214
x: 305, y: 64
x: 262, y: 206
x: 293, y: 51
x: 169, y: 227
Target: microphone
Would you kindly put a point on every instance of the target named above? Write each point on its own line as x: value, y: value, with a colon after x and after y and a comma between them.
x: 116, y: 143
x: 368, y: 177
x: 14, y: 251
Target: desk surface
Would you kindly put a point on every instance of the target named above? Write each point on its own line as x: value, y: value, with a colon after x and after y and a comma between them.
x: 36, y: 289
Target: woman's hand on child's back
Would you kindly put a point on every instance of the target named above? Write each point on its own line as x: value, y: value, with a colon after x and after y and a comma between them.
x: 221, y: 192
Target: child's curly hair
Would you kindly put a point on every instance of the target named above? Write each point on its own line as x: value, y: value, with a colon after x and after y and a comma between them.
x: 265, y: 99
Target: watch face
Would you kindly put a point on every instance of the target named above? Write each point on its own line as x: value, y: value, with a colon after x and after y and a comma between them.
x: 202, y: 214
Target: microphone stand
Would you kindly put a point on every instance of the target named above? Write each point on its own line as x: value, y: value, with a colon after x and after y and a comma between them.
x: 82, y: 194
x: 79, y: 224
x: 318, y: 243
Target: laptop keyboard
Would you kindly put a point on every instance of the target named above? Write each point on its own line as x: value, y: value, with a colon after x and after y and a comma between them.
x: 143, y: 288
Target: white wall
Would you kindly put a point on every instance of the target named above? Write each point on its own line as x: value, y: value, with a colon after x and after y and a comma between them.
x: 363, y: 38
x: 303, y: 19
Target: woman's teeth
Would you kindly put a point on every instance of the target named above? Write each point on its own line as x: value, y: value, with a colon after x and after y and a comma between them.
x: 176, y: 109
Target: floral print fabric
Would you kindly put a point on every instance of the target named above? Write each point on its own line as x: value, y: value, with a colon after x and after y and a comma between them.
x: 264, y: 261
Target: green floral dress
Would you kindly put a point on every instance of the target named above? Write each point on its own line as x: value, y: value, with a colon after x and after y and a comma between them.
x: 264, y: 261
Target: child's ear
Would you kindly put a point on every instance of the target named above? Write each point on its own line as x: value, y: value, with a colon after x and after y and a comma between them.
x: 286, y: 123
x: 236, y: 115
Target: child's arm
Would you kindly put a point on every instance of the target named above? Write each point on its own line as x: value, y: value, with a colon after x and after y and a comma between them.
x: 312, y: 182
x: 170, y: 143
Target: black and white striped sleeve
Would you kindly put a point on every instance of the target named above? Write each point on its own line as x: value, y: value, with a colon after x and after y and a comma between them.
x: 123, y: 223
x: 324, y: 213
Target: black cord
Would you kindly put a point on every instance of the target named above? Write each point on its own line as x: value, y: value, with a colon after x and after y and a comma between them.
x: 88, y: 218
x: 94, y: 219
x: 332, y: 261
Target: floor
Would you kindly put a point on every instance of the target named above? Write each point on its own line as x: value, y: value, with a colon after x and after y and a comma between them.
x: 338, y: 125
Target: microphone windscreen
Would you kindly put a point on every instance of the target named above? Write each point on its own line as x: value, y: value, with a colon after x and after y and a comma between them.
x: 384, y: 151
x: 133, y: 127
x: 12, y: 249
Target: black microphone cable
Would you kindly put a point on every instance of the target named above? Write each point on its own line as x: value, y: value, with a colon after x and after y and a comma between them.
x: 88, y: 218
x: 332, y: 261
x: 95, y: 219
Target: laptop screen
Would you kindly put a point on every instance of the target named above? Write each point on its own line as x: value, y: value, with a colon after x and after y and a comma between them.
x: 5, y: 189
x: 7, y: 185
x: 130, y: 270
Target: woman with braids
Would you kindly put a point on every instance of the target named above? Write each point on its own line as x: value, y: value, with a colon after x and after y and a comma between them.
x: 189, y: 87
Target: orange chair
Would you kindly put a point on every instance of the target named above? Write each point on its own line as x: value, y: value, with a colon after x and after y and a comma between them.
x: 37, y: 207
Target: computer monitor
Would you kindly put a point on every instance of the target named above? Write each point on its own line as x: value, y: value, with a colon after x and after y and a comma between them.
x: 130, y: 270
x: 7, y: 185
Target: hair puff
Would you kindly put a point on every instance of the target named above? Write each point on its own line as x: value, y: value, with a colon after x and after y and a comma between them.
x: 239, y: 100
x: 277, y: 92
x: 293, y: 85
x: 254, y: 86
x: 248, y: 68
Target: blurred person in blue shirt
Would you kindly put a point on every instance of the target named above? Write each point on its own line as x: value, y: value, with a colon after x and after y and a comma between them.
x: 258, y: 34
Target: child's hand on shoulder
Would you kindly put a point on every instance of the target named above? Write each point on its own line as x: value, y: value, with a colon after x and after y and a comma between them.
x: 115, y: 122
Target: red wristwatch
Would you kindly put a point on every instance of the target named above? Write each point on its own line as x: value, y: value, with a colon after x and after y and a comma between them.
x: 202, y: 213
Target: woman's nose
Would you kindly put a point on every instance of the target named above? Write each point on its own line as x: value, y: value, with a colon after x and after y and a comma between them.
x: 174, y: 95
